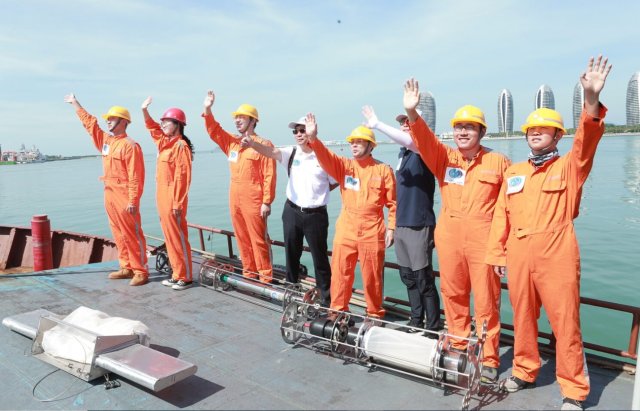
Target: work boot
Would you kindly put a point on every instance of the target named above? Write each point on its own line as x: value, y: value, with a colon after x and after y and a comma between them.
x: 489, y: 375
x: 571, y: 404
x: 139, y: 279
x: 121, y: 274
x: 515, y: 384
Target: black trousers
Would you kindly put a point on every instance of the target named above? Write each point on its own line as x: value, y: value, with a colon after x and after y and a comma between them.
x: 423, y: 295
x: 312, y: 225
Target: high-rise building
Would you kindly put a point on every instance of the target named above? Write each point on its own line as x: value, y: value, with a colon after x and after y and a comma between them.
x: 505, y: 112
x: 578, y: 103
x: 544, y: 98
x: 427, y: 105
x: 633, y: 101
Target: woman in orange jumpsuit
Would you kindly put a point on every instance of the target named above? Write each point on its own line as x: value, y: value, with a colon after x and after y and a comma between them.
x: 533, y: 236
x: 469, y: 178
x: 173, y: 178
x: 252, y: 188
x: 123, y: 178
x: 366, y: 187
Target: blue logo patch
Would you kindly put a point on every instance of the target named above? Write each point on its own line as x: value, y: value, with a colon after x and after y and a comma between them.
x: 515, y: 181
x: 455, y: 173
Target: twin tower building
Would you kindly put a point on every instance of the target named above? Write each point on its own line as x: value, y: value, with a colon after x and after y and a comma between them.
x: 544, y: 98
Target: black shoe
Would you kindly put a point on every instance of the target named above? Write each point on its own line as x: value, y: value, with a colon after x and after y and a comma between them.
x: 182, y: 285
x: 417, y: 324
x: 170, y: 282
x: 432, y: 334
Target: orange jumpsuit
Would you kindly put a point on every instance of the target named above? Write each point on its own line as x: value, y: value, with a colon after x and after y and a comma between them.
x: 533, y: 236
x: 123, y: 184
x: 366, y: 187
x: 469, y: 191
x: 173, y: 178
x: 253, y: 183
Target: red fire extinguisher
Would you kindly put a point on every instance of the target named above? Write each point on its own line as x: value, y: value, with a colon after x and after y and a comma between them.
x: 41, y: 238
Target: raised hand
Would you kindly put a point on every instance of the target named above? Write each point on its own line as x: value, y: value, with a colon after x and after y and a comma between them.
x: 411, y: 94
x: 70, y: 98
x: 146, y: 103
x: 209, y: 99
x: 594, y: 78
x: 311, y: 126
x: 370, y: 116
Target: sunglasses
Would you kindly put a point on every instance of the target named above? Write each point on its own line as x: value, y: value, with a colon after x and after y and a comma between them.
x: 298, y: 130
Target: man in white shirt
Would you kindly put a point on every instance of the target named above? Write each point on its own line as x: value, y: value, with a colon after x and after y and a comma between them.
x: 305, y: 211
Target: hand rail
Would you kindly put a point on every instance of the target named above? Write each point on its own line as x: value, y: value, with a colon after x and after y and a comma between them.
x: 622, y: 357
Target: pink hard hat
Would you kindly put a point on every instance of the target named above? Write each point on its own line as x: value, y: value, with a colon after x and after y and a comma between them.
x: 175, y: 114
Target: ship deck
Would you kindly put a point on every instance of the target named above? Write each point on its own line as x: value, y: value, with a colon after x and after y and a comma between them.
x: 242, y: 361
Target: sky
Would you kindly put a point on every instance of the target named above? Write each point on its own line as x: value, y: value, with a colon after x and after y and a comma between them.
x: 288, y: 58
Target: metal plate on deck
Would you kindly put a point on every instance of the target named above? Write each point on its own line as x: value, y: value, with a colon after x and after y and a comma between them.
x: 150, y: 368
x: 27, y: 323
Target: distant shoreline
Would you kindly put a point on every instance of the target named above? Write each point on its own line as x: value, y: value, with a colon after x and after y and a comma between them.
x: 338, y: 143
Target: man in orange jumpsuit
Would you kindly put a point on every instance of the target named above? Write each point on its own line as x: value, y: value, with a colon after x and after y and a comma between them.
x: 123, y: 184
x: 252, y: 189
x: 173, y: 178
x: 366, y: 187
x: 469, y: 178
x: 533, y: 236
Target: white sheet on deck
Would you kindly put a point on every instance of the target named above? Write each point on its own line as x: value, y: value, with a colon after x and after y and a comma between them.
x: 66, y: 342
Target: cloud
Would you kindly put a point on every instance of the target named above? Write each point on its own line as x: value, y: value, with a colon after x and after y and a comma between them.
x: 290, y: 57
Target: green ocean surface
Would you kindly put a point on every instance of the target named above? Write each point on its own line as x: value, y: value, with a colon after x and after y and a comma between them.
x: 608, y: 227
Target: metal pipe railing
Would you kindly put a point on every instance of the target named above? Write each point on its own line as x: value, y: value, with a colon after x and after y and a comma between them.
x: 631, y: 353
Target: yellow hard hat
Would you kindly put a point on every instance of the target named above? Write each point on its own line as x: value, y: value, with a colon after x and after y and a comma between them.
x: 246, y: 110
x: 363, y: 133
x: 544, y: 117
x: 118, y: 111
x: 469, y: 113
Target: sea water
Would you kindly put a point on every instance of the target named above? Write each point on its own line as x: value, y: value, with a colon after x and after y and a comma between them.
x: 608, y: 227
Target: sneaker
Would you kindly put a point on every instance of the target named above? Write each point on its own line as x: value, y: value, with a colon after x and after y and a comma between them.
x: 417, y: 326
x: 515, y: 384
x: 489, y: 375
x: 139, y: 279
x: 182, y: 285
x: 121, y: 274
x: 170, y: 282
x: 570, y: 404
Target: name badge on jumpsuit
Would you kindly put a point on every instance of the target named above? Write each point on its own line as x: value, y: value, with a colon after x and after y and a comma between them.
x: 351, y: 183
x: 105, y: 149
x: 515, y: 184
x: 233, y: 156
x: 455, y: 176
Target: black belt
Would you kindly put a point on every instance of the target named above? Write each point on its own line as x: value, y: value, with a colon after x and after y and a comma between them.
x: 306, y: 209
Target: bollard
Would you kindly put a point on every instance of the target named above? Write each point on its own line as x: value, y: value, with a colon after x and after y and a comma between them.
x: 41, y: 238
